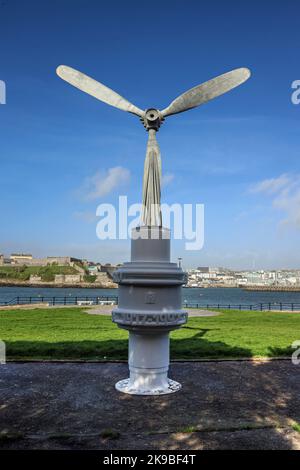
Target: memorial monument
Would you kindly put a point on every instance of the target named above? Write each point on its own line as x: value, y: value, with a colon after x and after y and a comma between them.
x: 150, y: 304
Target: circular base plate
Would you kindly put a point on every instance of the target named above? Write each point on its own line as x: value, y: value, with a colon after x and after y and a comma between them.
x: 171, y: 387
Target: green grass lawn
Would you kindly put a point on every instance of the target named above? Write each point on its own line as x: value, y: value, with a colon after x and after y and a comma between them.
x: 70, y: 333
x: 23, y: 273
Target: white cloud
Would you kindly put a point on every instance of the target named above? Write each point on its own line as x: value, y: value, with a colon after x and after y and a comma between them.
x: 272, y: 185
x: 167, y: 179
x: 285, y: 193
x: 103, y: 182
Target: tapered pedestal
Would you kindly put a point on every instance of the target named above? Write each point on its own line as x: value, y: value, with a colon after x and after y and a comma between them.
x: 149, y: 308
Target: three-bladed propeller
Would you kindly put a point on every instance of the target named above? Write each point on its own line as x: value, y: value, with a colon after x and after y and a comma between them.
x: 188, y: 100
x: 152, y: 119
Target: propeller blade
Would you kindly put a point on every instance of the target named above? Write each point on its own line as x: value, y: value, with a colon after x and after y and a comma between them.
x: 96, y: 89
x: 207, y: 91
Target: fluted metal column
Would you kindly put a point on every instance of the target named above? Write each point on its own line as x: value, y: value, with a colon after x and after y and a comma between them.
x: 151, y: 215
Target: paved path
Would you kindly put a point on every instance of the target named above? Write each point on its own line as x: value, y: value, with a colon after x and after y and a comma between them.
x: 223, y: 405
x: 193, y: 312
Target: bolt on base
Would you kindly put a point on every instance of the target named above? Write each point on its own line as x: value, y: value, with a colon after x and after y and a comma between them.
x: 132, y: 388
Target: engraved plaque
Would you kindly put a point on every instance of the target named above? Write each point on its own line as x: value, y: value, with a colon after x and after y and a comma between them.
x: 150, y: 297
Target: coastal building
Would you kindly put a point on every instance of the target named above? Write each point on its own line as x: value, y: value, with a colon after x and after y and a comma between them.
x: 93, y: 269
x: 108, y: 268
x: 29, y: 260
x: 1, y: 260
x: 223, y: 277
x: 203, y: 269
x: 20, y: 258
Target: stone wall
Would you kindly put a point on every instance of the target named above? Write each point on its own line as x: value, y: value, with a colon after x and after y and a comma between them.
x: 34, y: 279
x: 67, y: 278
x: 30, y: 262
x: 59, y: 260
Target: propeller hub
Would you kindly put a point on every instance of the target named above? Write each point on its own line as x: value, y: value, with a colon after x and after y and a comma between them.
x: 152, y: 119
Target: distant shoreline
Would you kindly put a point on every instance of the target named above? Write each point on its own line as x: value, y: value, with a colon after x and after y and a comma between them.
x: 272, y: 289
x: 95, y: 285
x: 79, y: 285
x: 251, y: 288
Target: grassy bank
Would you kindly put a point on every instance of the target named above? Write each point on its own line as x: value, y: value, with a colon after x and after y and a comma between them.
x: 71, y: 333
x: 23, y: 273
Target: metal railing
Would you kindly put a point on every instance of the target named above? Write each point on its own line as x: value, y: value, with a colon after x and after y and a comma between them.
x: 58, y: 300
x: 262, y: 306
x: 75, y: 300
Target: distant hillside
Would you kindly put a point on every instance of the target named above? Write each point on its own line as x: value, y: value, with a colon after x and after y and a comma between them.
x: 23, y: 273
x: 53, y: 276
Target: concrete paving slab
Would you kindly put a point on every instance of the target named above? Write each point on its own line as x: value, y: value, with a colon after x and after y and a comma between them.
x: 193, y: 312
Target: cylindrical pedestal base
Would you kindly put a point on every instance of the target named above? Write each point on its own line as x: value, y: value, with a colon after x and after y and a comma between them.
x: 148, y: 365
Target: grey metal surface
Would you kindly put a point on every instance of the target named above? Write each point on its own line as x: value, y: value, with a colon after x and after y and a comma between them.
x: 152, y: 119
x: 151, y: 214
x: 126, y: 386
x: 149, y: 293
x: 96, y: 89
x: 148, y: 365
x: 207, y: 91
x: 157, y: 247
x: 149, y: 307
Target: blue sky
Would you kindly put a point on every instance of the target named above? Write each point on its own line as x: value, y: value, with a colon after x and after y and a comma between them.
x: 239, y: 154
